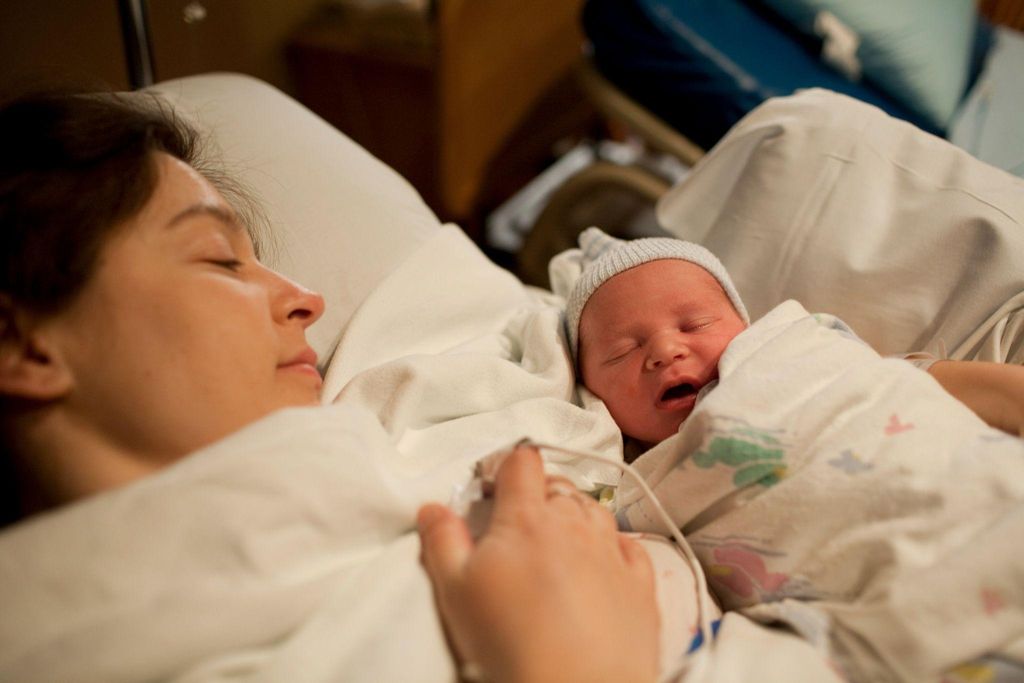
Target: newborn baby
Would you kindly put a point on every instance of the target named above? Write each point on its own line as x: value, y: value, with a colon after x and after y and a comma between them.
x: 647, y: 322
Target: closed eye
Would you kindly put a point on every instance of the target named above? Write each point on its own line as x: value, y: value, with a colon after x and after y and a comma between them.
x: 698, y: 325
x: 231, y: 264
x: 619, y: 354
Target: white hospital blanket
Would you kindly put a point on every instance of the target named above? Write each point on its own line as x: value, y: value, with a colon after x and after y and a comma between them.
x: 851, y: 497
x: 454, y: 355
x: 286, y: 552
x: 281, y: 553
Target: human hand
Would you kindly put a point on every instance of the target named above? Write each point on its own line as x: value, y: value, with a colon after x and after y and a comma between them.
x: 551, y: 591
x: 994, y: 391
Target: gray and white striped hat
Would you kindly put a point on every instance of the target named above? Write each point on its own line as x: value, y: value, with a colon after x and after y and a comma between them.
x: 604, y: 256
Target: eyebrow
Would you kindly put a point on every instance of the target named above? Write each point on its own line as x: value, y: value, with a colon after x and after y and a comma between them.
x: 225, y: 216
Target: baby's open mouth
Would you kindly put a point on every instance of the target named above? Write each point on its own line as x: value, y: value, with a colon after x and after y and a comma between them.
x: 678, y: 391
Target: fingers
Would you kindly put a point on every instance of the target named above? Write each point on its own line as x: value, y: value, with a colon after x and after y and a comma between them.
x: 636, y: 558
x: 522, y: 488
x: 555, y: 486
x: 445, y: 541
x: 520, y: 483
x: 559, y: 491
x: 564, y: 496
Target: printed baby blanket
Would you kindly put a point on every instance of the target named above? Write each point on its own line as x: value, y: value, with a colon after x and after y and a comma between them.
x: 851, y: 498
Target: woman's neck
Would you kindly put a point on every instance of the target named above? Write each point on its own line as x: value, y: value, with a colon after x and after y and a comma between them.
x: 60, y: 460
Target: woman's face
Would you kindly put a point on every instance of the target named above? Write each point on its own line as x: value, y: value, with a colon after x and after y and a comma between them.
x: 182, y: 337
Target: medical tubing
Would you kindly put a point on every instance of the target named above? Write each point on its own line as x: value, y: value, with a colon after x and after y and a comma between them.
x: 687, y: 661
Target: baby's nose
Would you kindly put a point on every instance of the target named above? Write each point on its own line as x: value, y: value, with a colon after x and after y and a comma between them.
x: 665, y: 347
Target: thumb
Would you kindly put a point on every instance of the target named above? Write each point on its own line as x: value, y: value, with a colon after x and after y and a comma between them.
x: 445, y: 541
x: 637, y: 559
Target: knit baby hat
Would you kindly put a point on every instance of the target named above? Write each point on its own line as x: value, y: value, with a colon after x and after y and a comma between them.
x: 603, y: 256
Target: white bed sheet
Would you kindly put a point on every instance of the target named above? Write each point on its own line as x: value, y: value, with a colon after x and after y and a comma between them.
x: 824, y: 199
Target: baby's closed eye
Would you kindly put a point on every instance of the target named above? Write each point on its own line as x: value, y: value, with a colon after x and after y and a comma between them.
x: 697, y: 325
x: 619, y: 352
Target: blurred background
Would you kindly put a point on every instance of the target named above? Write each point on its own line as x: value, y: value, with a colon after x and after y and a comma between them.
x: 524, y: 121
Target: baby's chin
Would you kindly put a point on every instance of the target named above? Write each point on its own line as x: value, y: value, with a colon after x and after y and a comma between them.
x: 655, y: 436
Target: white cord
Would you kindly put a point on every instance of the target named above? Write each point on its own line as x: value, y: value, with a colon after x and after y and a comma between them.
x: 688, y: 662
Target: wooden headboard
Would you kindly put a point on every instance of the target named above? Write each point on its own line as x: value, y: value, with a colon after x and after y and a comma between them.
x: 1006, y: 12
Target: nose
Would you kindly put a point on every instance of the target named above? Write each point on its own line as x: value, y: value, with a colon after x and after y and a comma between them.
x: 295, y: 303
x: 665, y: 347
x: 308, y: 307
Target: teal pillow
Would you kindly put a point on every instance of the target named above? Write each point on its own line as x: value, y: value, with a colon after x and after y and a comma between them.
x: 917, y: 51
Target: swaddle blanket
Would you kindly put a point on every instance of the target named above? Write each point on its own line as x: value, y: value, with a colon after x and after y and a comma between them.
x: 850, y: 497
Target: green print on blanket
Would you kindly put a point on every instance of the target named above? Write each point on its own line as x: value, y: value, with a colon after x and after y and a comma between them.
x: 754, y: 464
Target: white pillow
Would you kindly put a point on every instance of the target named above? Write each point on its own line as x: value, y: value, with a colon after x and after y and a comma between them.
x: 828, y: 200
x: 341, y: 219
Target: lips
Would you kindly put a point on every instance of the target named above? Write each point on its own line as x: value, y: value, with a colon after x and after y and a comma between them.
x: 678, y: 392
x: 306, y: 357
x: 303, y: 365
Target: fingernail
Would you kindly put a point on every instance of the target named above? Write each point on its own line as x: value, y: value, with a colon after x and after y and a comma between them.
x: 428, y: 514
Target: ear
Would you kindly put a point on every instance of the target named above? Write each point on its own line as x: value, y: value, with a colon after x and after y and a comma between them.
x: 31, y: 367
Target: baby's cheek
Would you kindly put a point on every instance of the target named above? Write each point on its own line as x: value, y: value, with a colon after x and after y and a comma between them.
x: 625, y: 421
x: 627, y: 410
x: 616, y: 388
x: 596, y: 379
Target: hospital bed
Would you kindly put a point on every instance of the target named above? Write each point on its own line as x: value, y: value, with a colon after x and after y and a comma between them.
x: 434, y: 357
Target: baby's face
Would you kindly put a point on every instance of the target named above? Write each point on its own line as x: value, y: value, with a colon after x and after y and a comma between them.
x: 650, y: 338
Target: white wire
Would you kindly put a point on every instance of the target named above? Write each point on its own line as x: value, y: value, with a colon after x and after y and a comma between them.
x: 687, y: 660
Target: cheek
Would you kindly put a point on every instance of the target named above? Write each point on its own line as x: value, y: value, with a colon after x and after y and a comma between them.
x: 239, y: 343
x: 716, y: 345
x: 614, y: 385
x: 213, y: 341
x: 101, y: 331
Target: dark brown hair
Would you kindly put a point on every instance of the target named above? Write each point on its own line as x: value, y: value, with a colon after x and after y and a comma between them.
x: 74, y: 167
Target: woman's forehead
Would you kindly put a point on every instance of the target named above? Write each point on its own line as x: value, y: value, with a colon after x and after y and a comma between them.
x: 180, y: 191
x: 179, y: 181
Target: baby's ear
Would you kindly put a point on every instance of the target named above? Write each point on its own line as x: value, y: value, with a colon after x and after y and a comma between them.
x: 31, y: 367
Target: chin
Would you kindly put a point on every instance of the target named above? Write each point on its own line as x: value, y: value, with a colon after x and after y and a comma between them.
x: 668, y: 432
x: 298, y: 394
x: 302, y: 401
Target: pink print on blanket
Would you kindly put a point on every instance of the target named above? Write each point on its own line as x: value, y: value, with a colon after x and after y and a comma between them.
x: 743, y: 572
